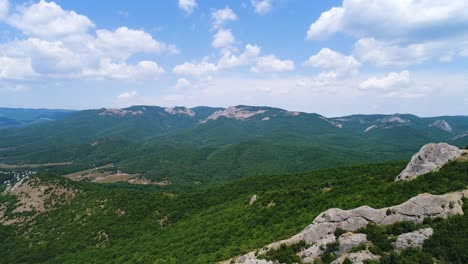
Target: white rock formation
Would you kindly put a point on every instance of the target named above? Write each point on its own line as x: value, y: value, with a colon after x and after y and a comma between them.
x: 460, y: 136
x: 393, y: 119
x: 356, y: 257
x: 316, y: 250
x: 338, y: 125
x: 413, y: 239
x: 415, y: 209
x: 442, y: 125
x: 349, y: 241
x: 430, y: 158
x: 179, y: 111
x: 239, y: 113
x: 253, y: 199
x: 119, y: 112
x: 370, y: 128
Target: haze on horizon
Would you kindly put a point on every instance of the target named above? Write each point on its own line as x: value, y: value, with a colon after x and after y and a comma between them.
x: 329, y: 57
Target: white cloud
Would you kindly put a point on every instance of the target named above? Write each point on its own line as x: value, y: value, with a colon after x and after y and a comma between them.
x: 49, y: 57
x: 398, y: 32
x: 250, y: 54
x: 124, y: 42
x: 390, y: 81
x: 272, y: 64
x: 228, y: 60
x: 393, y: 19
x: 195, y: 69
x: 328, y: 59
x: 4, y: 6
x: 123, y: 71
x: 383, y: 53
x: 329, y: 22
x: 261, y: 6
x: 127, y: 95
x: 48, y: 20
x: 223, y: 38
x: 182, y: 83
x: 222, y: 16
x: 187, y: 5
x: 60, y: 46
x: 16, y: 68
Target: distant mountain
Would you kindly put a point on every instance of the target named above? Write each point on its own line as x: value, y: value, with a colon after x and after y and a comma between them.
x: 16, y: 117
x: 207, y: 145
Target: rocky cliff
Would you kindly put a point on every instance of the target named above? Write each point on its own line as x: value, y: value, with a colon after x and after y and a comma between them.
x: 430, y: 158
x: 322, y: 230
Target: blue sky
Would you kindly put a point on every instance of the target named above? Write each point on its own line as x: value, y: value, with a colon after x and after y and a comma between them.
x: 330, y: 57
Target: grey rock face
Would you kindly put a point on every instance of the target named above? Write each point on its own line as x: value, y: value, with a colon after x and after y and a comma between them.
x: 349, y: 241
x: 239, y: 113
x: 430, y: 158
x: 357, y: 257
x: 324, y: 225
x: 442, y: 125
x: 413, y: 239
x: 253, y: 199
x: 316, y: 250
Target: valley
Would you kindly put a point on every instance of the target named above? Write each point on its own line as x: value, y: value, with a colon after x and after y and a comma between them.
x: 183, y: 192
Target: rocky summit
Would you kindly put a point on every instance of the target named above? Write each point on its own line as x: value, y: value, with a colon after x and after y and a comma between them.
x: 430, y: 158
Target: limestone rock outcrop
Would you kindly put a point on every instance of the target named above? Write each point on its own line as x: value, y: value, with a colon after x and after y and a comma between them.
x: 356, y: 257
x: 235, y: 112
x: 413, y: 239
x: 430, y: 158
x: 322, y: 229
x: 442, y: 125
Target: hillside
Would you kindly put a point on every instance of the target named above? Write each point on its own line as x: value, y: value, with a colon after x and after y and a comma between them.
x: 123, y: 223
x: 203, y: 145
x: 16, y: 117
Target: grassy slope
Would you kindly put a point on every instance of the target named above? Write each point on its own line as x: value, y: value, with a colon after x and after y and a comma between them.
x: 210, y: 224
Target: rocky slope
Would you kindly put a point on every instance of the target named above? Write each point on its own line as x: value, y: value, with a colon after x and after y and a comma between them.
x: 32, y: 196
x: 430, y: 158
x: 321, y: 232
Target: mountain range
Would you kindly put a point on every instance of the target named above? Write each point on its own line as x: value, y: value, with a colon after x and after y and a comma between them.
x: 189, y: 146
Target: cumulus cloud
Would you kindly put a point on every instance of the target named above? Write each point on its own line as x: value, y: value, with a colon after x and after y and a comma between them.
x: 328, y: 59
x: 383, y: 53
x: 229, y: 60
x: 4, y: 6
x: 261, y: 6
x: 123, y: 71
x: 48, y: 20
x: 187, y: 5
x: 223, y: 38
x: 125, y: 41
x: 182, y: 83
x: 195, y: 69
x: 272, y: 64
x: 221, y: 16
x: 389, y: 81
x: 16, y: 68
x: 393, y: 19
x: 127, y: 95
x: 398, y: 32
x: 329, y: 22
x: 59, y: 45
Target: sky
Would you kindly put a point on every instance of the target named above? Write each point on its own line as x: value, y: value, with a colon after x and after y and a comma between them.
x: 323, y: 56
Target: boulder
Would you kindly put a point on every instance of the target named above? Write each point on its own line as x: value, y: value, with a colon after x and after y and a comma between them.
x: 413, y: 239
x: 253, y: 199
x: 430, y: 158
